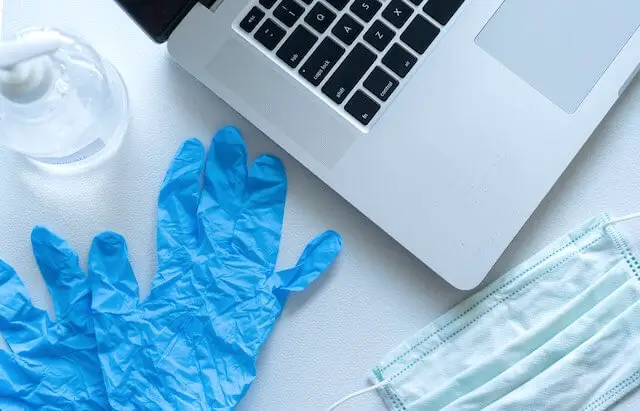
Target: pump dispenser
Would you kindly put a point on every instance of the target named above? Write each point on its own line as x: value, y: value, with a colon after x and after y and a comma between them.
x: 61, y: 105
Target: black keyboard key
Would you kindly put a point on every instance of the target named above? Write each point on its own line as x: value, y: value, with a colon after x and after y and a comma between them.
x: 316, y: 68
x: 320, y: 17
x: 267, y: 3
x: 338, y: 4
x: 381, y: 84
x: 362, y: 107
x: 288, y: 12
x: 307, y: 1
x: 347, y: 76
x: 416, y: 2
x: 366, y: 9
x: 420, y: 34
x: 442, y: 10
x: 379, y: 35
x: 399, y: 60
x: 252, y: 19
x: 397, y: 13
x: 296, y: 47
x: 269, y: 34
x: 347, y: 29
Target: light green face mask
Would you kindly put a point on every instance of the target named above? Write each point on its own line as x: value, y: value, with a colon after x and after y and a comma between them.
x: 559, y: 332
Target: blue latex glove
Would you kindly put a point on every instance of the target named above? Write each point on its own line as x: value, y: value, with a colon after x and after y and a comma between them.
x: 193, y: 343
x: 53, y: 365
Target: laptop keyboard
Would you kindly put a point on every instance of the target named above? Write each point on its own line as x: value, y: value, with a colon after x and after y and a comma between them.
x: 355, y: 53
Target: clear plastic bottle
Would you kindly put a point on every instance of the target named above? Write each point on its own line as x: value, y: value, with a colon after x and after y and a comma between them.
x: 80, y: 115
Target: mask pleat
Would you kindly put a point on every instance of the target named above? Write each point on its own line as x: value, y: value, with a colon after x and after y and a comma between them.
x: 588, y: 377
x: 539, y: 348
x: 559, y: 273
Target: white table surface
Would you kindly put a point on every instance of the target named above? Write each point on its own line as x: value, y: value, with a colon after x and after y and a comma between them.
x: 374, y: 297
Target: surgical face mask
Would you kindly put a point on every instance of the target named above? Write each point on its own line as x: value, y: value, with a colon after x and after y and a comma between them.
x: 559, y: 332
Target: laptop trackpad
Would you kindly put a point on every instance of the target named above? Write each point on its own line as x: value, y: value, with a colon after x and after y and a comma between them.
x: 560, y: 47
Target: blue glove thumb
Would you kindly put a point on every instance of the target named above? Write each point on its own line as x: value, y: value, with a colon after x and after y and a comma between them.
x: 315, y: 259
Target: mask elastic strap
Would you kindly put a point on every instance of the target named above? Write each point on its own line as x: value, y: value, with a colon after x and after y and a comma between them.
x: 357, y: 394
x: 621, y: 219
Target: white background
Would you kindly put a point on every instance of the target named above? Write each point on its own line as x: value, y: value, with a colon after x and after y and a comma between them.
x: 374, y: 297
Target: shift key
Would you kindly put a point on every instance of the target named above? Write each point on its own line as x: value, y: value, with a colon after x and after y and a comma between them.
x: 352, y: 69
x: 322, y: 60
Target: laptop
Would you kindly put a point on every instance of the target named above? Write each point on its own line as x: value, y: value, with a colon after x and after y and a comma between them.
x: 445, y: 122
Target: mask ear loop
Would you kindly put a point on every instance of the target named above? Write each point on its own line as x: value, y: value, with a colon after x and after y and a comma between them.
x: 379, y: 385
x: 621, y: 219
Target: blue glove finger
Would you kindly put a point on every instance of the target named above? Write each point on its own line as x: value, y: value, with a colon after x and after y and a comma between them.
x: 65, y: 279
x: 114, y: 287
x: 177, y: 208
x: 179, y: 197
x: 259, y: 227
x: 20, y: 322
x: 316, y: 258
x: 225, y: 178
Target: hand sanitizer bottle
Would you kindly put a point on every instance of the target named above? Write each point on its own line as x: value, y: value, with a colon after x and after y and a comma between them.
x: 61, y: 105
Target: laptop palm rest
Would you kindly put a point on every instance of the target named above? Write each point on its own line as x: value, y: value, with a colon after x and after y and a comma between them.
x: 561, y: 48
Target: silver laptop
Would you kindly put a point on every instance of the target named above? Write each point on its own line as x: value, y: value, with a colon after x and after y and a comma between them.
x: 444, y: 121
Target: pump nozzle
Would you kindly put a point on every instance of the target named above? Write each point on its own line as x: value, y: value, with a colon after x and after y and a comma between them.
x: 18, y: 51
x: 26, y: 72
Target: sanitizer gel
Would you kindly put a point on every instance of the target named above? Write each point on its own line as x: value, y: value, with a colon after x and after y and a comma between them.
x: 61, y: 104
